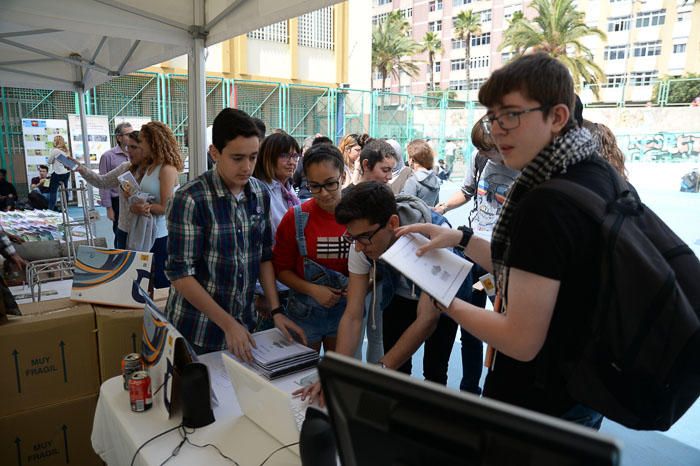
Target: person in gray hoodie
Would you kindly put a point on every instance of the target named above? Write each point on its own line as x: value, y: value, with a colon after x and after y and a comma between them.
x: 424, y: 184
x: 371, y: 214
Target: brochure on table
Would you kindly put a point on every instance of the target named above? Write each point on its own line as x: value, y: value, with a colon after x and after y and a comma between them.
x: 37, y: 135
x: 439, y: 272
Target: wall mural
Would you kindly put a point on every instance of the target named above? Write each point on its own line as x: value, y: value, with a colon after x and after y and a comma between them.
x: 661, y: 146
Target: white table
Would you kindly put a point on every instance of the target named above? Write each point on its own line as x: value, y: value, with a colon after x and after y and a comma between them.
x: 118, y: 432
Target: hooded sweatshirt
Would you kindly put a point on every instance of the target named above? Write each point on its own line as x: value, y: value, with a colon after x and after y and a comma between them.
x: 425, y: 185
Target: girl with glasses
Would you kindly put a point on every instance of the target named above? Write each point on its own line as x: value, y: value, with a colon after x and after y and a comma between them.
x: 277, y: 160
x: 310, y: 255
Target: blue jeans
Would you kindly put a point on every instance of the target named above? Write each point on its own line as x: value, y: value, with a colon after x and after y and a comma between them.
x: 120, y: 238
x: 53, y: 187
x: 160, y: 253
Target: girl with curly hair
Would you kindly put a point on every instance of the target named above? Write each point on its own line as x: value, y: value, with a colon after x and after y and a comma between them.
x: 350, y: 146
x: 162, y: 163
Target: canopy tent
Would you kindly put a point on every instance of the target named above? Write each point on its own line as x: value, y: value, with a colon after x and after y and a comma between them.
x: 78, y: 44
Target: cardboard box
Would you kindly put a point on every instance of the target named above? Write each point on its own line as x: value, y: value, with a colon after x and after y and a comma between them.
x: 119, y: 332
x: 48, y: 355
x: 57, y: 434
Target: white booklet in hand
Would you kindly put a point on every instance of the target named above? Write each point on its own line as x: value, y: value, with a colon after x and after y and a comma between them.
x: 128, y: 183
x: 438, y: 272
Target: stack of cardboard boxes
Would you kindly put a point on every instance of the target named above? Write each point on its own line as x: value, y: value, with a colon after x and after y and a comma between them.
x: 53, y: 359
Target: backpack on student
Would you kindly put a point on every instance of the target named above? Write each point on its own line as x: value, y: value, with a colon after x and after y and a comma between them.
x: 641, y: 368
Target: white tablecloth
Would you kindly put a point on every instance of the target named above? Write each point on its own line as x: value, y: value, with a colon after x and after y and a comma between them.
x: 118, y: 432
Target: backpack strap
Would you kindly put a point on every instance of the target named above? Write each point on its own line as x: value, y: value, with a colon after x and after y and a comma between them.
x: 300, y: 220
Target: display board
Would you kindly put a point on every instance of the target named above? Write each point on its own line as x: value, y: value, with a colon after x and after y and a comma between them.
x: 136, y: 121
x: 98, y: 137
x: 37, y: 135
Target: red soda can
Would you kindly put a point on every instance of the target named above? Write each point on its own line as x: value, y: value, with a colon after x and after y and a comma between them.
x: 140, y: 391
x: 131, y: 363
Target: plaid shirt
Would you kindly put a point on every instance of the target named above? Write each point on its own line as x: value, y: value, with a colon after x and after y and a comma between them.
x: 220, y: 241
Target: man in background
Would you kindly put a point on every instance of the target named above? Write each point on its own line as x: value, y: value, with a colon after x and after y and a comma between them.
x: 109, y: 198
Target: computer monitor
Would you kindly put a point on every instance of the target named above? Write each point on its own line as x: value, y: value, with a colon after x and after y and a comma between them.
x: 383, y: 417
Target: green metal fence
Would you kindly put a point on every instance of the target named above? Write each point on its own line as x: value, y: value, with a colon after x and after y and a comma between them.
x: 301, y: 110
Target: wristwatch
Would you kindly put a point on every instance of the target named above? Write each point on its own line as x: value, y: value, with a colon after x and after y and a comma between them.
x: 467, y: 234
x: 277, y: 310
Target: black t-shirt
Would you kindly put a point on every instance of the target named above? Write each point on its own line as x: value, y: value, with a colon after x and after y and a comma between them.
x: 553, y: 238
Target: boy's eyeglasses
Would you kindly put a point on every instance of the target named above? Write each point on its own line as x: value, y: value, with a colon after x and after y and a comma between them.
x: 507, y: 120
x: 315, y: 188
x: 364, y: 239
x: 290, y: 156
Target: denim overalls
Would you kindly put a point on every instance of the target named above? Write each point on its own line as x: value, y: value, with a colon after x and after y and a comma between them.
x: 317, y: 321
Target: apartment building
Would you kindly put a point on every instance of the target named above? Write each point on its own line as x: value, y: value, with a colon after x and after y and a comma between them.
x: 646, y: 40
x: 326, y: 47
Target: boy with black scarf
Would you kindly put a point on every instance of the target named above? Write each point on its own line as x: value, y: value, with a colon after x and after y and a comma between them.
x: 543, y: 250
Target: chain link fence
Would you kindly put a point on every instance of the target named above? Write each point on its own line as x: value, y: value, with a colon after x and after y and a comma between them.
x: 300, y: 110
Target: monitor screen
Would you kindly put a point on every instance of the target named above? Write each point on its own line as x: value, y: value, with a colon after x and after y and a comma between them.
x: 382, y: 417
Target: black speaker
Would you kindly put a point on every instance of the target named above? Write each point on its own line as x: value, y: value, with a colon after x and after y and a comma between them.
x: 196, y: 396
x: 317, y: 441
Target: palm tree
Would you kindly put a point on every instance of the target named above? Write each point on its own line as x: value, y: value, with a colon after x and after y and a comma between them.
x: 558, y: 29
x: 391, y: 44
x: 432, y: 43
x: 466, y: 24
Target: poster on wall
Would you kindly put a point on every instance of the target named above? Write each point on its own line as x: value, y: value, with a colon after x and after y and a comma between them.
x: 98, y: 143
x: 136, y: 121
x: 38, y: 135
x: 98, y: 137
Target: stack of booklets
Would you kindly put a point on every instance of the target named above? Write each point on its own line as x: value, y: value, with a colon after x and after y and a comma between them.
x: 276, y: 356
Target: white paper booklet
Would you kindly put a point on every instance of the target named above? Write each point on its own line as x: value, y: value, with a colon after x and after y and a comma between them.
x: 273, y: 347
x: 129, y: 183
x: 439, y: 272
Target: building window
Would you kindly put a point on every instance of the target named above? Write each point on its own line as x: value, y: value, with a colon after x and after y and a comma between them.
x: 435, y: 26
x: 484, y: 16
x: 614, y: 80
x: 379, y: 19
x: 510, y: 10
x: 459, y: 85
x: 436, y: 67
x: 615, y: 52
x: 647, y: 49
x: 475, y: 84
x: 621, y: 23
x: 458, y: 44
x: 316, y: 29
x: 459, y: 64
x: 507, y: 56
x: 651, y: 18
x: 679, y: 48
x: 407, y: 13
x: 274, y: 33
x: 643, y: 78
x: 404, y: 89
x: 435, y: 5
x: 479, y: 62
x: 461, y: 2
x: 483, y: 39
x: 382, y: 2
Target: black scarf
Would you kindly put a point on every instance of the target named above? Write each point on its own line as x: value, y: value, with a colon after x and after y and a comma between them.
x: 568, y: 149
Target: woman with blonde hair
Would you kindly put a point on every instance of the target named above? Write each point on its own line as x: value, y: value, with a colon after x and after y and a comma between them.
x: 60, y: 174
x: 162, y: 164
x: 350, y: 146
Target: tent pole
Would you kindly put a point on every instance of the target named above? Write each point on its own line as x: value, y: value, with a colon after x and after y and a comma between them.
x: 197, y: 95
x: 86, y: 147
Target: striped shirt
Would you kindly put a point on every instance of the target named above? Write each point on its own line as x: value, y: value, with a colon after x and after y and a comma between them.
x: 220, y: 241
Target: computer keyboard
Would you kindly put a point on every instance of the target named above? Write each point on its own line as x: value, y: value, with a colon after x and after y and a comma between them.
x: 298, y: 408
